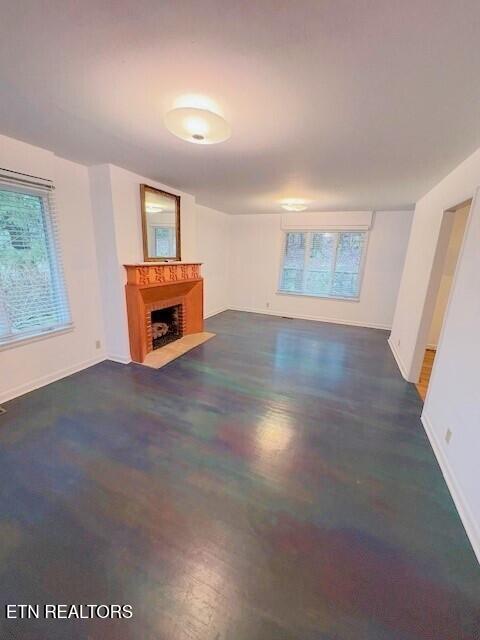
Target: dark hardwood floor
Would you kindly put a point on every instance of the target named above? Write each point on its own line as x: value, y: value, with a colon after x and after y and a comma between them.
x: 426, y: 372
x: 273, y: 484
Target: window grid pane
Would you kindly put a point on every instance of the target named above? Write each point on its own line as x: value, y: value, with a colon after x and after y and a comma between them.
x: 324, y: 264
x: 347, y: 266
x: 293, y: 262
x: 320, y: 263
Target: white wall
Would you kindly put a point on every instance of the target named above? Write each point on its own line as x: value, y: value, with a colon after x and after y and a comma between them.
x: 27, y: 366
x: 448, y: 269
x: 113, y: 306
x: 453, y: 399
x: 256, y: 247
x: 416, y: 299
x: 213, y: 243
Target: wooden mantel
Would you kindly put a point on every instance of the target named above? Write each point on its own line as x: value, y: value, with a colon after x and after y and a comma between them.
x: 156, y: 285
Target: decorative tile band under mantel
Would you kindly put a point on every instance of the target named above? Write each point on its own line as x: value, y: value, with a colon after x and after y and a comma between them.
x: 162, y: 273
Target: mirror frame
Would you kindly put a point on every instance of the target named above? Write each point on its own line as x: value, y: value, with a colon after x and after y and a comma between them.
x: 143, y: 189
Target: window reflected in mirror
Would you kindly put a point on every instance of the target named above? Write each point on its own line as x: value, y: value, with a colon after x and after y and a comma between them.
x: 161, y: 224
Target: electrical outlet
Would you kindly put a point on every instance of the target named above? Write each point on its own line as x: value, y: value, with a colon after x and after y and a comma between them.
x: 448, y: 436
x: 398, y: 343
x: 98, y: 344
x: 268, y: 305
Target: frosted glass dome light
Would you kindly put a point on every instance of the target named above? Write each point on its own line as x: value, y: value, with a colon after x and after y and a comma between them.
x: 154, y: 208
x: 199, y: 126
x: 293, y: 204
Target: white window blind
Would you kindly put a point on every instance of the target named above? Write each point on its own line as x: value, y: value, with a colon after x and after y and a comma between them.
x: 33, y: 298
x: 323, y: 263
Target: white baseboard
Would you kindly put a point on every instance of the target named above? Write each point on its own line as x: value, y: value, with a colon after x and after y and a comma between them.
x: 120, y: 359
x: 296, y: 316
x: 466, y: 516
x: 20, y: 390
x: 216, y: 312
x: 398, y: 359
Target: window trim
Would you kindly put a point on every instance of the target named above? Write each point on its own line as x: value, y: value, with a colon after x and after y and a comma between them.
x: 25, y: 184
x: 361, y: 270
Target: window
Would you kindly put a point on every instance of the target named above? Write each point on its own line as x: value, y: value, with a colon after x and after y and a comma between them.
x: 164, y: 241
x: 324, y: 264
x: 32, y: 291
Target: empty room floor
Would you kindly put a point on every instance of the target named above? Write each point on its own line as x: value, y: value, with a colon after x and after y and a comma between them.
x: 275, y: 483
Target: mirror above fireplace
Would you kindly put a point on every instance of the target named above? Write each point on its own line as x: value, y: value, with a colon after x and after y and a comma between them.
x: 160, y: 224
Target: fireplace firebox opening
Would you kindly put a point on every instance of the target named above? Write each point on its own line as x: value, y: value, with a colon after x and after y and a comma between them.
x: 167, y: 325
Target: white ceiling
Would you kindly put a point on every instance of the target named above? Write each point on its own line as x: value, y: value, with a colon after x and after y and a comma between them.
x: 351, y: 104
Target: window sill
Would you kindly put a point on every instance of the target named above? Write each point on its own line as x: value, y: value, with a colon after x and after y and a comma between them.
x: 24, y: 340
x: 312, y: 295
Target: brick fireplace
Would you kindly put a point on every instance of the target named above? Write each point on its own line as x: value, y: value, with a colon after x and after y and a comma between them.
x: 151, y: 290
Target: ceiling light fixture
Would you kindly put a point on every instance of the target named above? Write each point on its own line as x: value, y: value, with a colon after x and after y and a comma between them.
x: 293, y: 204
x: 199, y: 126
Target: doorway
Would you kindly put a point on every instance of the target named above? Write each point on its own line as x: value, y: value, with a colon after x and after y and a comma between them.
x: 449, y: 246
